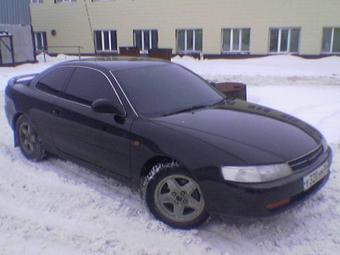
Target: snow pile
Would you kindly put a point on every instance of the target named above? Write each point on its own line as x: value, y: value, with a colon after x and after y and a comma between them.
x: 281, y: 65
x: 55, y: 59
x: 57, y: 207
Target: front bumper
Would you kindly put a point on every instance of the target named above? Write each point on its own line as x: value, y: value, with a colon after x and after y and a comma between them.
x: 238, y: 199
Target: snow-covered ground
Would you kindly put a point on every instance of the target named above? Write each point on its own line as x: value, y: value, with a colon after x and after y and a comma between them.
x: 57, y: 207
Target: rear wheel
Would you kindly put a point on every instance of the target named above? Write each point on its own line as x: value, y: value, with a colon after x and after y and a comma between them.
x: 28, y: 139
x: 174, y: 197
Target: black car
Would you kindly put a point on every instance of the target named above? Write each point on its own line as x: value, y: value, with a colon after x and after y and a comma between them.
x: 158, y: 126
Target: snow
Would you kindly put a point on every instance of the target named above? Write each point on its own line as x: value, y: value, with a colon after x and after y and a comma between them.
x: 281, y: 65
x: 58, y: 207
x: 8, y: 72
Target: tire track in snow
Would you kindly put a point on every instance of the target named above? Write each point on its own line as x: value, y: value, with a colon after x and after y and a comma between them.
x: 62, y: 203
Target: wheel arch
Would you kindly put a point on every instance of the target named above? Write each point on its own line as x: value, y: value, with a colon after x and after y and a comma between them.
x: 14, y: 122
x: 146, y: 168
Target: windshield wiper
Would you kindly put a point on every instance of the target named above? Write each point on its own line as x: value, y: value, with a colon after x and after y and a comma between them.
x: 192, y: 108
x: 220, y: 102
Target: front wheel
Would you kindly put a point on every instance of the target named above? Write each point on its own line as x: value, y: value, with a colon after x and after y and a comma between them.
x: 174, y: 197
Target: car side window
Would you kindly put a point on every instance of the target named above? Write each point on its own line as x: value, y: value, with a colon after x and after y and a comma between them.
x: 87, y: 85
x: 54, y: 82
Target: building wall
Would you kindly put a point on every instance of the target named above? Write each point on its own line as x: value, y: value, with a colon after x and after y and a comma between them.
x: 22, y: 44
x: 15, y: 12
x: 71, y: 23
x: 15, y: 18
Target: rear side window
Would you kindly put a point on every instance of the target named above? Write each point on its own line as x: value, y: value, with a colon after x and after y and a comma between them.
x: 87, y: 85
x: 54, y: 82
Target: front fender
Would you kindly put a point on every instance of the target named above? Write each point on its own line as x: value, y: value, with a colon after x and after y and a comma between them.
x: 156, y: 140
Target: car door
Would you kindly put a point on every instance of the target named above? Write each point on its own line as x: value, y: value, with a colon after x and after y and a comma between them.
x: 98, y: 138
x: 47, y: 87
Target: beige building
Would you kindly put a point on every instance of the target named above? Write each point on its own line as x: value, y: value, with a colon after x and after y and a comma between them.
x: 214, y: 28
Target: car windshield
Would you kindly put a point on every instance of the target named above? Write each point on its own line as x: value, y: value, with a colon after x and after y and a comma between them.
x: 165, y: 89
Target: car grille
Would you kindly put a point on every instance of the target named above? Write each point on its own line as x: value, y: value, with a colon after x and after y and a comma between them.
x: 306, y: 160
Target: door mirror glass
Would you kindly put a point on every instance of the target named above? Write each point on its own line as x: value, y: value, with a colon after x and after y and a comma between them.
x: 104, y: 106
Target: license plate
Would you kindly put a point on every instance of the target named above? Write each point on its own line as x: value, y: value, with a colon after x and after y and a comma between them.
x: 315, y: 176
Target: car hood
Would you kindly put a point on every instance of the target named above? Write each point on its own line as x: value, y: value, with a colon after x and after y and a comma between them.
x: 255, y: 134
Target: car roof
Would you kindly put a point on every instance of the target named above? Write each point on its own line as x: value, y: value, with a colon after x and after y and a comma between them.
x: 118, y: 63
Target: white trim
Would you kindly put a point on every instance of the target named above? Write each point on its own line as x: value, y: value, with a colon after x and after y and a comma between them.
x: 36, y: 1
x: 65, y: 1
x: 144, y: 32
x: 240, y: 39
x: 332, y: 41
x: 237, y: 50
x: 103, y: 43
x: 231, y: 39
x: 186, y: 50
x: 76, y: 66
x: 110, y: 46
x: 194, y: 40
x: 110, y: 49
x: 279, y: 40
x: 288, y: 40
x: 142, y: 38
x: 121, y: 89
x: 114, y: 90
x: 39, y: 37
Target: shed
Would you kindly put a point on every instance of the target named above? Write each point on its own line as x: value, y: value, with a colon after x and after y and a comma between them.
x: 16, y: 34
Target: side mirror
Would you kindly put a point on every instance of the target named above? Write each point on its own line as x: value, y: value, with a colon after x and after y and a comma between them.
x: 105, y: 106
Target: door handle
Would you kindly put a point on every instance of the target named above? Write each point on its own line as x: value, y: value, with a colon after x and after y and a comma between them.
x: 55, y: 111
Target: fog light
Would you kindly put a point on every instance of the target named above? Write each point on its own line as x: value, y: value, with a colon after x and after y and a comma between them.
x: 278, y: 204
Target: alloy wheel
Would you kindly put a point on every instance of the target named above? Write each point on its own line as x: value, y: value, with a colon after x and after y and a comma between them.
x: 179, y: 198
x: 27, y: 138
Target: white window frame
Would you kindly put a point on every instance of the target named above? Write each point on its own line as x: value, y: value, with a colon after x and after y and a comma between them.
x: 43, y: 42
x: 288, y: 40
x: 36, y: 1
x: 231, y: 43
x: 143, y: 50
x: 331, y: 51
x: 186, y: 41
x: 103, y: 42
x: 64, y: 1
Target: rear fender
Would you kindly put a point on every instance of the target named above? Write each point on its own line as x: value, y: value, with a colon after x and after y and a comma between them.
x: 10, y: 109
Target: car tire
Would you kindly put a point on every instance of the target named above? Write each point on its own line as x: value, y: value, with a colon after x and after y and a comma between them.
x: 174, y: 197
x: 28, y: 139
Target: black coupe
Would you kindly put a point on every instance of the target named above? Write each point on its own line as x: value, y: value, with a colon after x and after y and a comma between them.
x: 156, y: 125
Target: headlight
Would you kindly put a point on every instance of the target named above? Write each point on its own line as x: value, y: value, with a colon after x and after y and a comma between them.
x: 255, y: 174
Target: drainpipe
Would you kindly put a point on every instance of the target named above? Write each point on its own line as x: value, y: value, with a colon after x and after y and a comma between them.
x: 90, y: 24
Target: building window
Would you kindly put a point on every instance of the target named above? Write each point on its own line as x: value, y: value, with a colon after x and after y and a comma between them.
x: 105, y: 40
x: 189, y: 40
x: 64, y: 1
x: 145, y: 39
x: 235, y: 40
x: 40, y: 41
x: 284, y: 40
x: 331, y: 40
x: 36, y: 1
